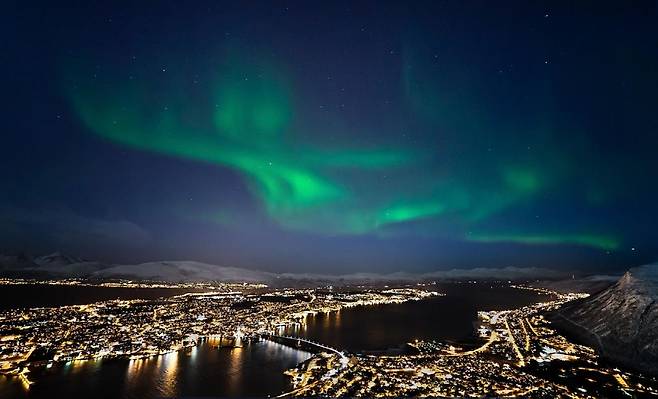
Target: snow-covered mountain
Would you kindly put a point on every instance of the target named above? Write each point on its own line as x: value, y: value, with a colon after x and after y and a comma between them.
x: 16, y: 262
x: 62, y: 265
x: 183, y: 271
x: 59, y: 265
x: 56, y: 259
x: 621, y: 321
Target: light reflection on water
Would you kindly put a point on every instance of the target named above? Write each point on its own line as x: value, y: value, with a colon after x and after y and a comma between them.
x: 167, y: 370
x: 389, y: 327
x: 204, y: 370
x: 235, y: 367
x: 208, y: 371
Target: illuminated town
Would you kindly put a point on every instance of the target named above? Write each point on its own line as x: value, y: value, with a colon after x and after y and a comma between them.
x: 520, y: 356
x: 137, y: 329
x: 318, y: 199
x: 518, y: 353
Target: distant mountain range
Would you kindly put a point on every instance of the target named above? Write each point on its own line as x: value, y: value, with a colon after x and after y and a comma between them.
x: 58, y: 265
x: 62, y: 265
x: 592, y: 284
x: 621, y: 321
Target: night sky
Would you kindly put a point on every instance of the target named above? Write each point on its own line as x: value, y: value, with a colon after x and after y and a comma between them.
x: 333, y: 136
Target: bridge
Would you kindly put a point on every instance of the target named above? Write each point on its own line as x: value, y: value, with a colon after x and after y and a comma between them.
x: 297, y: 341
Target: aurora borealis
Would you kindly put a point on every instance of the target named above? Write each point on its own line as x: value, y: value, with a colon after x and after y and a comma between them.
x: 339, y: 136
x: 249, y: 127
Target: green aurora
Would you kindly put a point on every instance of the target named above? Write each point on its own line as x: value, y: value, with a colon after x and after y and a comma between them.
x: 248, y: 118
x: 603, y: 242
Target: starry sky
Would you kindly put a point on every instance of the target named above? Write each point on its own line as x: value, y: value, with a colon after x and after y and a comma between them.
x: 332, y: 137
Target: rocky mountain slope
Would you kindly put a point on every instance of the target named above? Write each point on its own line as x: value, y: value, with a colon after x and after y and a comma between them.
x: 621, y: 321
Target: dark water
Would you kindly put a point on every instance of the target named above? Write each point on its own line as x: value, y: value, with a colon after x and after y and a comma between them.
x: 15, y: 296
x: 254, y: 370
x: 257, y: 369
x: 390, y: 326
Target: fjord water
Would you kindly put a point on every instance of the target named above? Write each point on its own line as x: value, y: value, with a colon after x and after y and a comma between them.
x: 256, y: 369
x: 16, y: 296
x: 389, y: 327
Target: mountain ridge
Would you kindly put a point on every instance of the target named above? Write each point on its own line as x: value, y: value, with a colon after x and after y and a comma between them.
x: 621, y: 321
x: 61, y: 265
